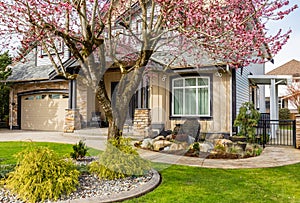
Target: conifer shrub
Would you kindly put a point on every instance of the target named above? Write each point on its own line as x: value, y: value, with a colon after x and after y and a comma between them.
x: 119, y: 160
x: 79, y: 150
x: 41, y: 174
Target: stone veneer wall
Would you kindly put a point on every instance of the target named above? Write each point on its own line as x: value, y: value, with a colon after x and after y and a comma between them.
x: 72, y: 120
x: 141, y: 121
x: 298, y: 131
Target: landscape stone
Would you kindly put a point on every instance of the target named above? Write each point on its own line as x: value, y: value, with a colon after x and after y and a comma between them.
x: 160, y: 144
x: 179, y: 146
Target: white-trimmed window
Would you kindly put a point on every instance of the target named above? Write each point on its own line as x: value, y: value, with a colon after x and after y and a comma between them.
x: 191, y: 96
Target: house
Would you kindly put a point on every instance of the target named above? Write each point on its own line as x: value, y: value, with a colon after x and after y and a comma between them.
x: 291, y: 68
x: 41, y: 100
x: 213, y: 94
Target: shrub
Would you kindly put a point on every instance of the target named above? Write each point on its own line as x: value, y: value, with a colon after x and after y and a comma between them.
x: 41, y: 174
x: 119, y: 160
x: 246, y: 120
x: 284, y: 114
x: 79, y: 150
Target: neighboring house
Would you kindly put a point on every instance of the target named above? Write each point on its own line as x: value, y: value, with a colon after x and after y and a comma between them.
x: 291, y: 68
x: 40, y: 100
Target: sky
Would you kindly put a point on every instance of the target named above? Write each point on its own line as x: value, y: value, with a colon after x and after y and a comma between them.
x: 292, y: 49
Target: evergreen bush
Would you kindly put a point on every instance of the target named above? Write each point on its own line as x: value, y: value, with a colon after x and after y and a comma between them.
x: 119, y: 160
x: 284, y: 114
x: 246, y: 120
x: 79, y: 150
x: 41, y: 174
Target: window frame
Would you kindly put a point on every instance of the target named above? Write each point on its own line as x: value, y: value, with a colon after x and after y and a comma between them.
x: 209, y: 77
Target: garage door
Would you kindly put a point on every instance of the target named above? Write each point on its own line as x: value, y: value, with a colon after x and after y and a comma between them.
x: 43, y: 111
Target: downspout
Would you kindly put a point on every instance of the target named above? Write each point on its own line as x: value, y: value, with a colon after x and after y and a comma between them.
x: 11, y: 109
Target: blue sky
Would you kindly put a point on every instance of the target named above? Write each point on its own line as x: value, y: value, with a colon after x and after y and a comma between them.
x: 292, y: 49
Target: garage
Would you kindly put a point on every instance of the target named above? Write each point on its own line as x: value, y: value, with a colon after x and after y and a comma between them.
x: 44, y: 111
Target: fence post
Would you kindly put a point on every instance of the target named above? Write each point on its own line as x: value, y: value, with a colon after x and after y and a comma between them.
x: 297, y: 143
x: 264, y: 133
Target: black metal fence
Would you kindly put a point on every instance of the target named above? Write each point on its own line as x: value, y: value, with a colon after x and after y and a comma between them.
x: 276, y: 132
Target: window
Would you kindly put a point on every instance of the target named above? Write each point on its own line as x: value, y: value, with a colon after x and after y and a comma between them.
x: 29, y: 98
x: 40, y: 96
x: 54, y: 96
x: 191, y: 96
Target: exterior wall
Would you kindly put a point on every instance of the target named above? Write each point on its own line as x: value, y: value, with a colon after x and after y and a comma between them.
x: 242, y: 86
x: 30, y: 87
x: 43, y: 59
x: 220, y: 119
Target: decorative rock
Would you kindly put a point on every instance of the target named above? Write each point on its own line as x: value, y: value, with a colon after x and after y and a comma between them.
x: 223, y: 142
x: 179, y: 146
x: 170, y: 137
x: 206, y: 146
x: 211, y: 137
x: 159, y: 138
x: 160, y: 144
x: 147, y: 143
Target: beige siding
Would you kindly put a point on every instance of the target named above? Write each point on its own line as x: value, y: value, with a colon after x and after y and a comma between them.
x: 220, y: 121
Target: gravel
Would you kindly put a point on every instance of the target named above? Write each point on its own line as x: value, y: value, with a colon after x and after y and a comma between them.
x: 90, y: 186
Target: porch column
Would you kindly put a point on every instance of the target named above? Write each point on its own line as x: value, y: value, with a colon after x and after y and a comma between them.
x: 273, y: 106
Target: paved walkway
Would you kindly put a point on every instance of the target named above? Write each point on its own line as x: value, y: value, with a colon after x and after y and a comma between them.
x: 95, y: 137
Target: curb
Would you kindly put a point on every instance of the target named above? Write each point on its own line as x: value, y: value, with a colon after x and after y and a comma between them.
x: 118, y: 197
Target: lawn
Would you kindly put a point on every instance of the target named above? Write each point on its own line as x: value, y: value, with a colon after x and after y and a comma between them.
x: 9, y: 149
x: 193, y: 184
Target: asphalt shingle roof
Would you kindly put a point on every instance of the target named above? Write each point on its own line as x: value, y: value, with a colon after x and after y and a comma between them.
x: 290, y: 68
x: 28, y: 71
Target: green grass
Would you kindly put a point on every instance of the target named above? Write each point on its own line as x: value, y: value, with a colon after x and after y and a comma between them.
x: 9, y: 149
x: 193, y: 184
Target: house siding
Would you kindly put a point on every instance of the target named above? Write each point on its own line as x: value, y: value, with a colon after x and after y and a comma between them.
x: 242, y: 86
x: 218, y: 122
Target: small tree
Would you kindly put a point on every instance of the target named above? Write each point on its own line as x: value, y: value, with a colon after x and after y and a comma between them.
x: 293, y: 95
x: 5, y: 60
x: 246, y: 120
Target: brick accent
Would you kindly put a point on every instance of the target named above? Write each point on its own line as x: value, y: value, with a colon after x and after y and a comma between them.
x: 298, y: 131
x: 141, y: 121
x: 72, y: 120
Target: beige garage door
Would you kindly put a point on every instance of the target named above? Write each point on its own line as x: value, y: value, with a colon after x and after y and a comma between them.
x: 43, y: 111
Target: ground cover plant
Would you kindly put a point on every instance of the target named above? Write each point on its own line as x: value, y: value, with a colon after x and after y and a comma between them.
x: 193, y: 184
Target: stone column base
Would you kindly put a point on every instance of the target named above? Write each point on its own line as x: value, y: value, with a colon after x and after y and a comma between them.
x: 141, y: 122
x: 72, y: 120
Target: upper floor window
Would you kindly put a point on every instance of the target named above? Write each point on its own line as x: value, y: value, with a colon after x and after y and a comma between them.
x: 191, y: 96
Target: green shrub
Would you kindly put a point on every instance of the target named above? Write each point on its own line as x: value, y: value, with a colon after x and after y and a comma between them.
x: 284, y: 114
x: 246, y: 120
x: 79, y: 150
x: 119, y: 160
x: 41, y: 174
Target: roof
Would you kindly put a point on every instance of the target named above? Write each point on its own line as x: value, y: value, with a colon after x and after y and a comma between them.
x: 26, y: 70
x: 290, y: 68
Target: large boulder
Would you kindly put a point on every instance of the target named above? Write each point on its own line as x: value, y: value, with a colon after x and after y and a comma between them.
x: 160, y: 144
